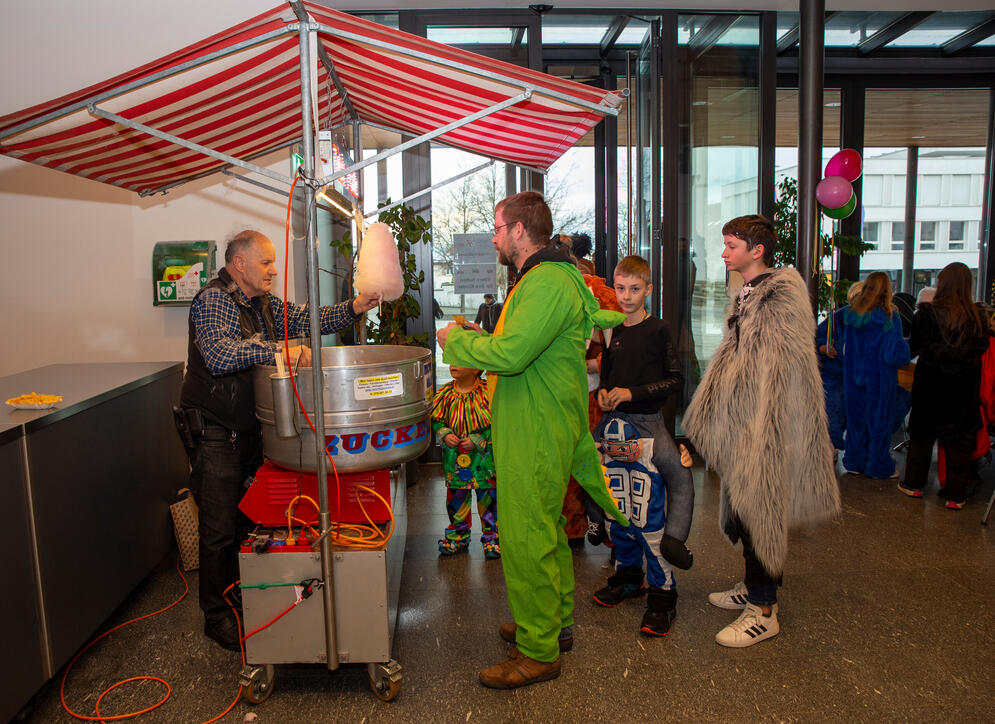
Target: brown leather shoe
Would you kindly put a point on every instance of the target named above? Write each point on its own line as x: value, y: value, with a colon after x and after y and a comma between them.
x: 518, y: 670
x: 508, y: 631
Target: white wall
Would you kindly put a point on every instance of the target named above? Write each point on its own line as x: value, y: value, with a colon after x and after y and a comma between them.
x: 77, y: 283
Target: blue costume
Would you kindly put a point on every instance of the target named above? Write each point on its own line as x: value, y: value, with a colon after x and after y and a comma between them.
x: 874, y: 349
x: 639, y: 490
x: 831, y: 369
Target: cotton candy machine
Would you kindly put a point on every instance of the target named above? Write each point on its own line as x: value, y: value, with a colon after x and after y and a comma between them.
x: 376, y: 401
x: 376, y: 408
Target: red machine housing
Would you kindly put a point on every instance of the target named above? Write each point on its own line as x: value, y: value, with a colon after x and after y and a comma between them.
x: 273, y: 489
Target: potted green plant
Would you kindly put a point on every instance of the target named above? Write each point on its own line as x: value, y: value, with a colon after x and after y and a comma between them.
x: 391, y: 324
x: 785, y: 227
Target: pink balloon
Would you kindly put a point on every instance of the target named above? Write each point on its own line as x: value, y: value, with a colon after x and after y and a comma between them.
x: 833, y: 192
x: 845, y: 163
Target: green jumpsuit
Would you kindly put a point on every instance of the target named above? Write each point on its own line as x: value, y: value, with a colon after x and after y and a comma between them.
x: 540, y: 436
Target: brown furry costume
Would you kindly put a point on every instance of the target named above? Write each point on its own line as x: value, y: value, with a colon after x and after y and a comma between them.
x: 759, y: 419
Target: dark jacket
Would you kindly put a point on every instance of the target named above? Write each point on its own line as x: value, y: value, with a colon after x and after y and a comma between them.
x: 228, y: 400
x: 948, y: 375
x: 487, y: 315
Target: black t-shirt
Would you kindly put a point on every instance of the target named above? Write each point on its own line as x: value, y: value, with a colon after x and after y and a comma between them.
x: 642, y: 358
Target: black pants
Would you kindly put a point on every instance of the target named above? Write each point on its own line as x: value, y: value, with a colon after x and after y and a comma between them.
x: 761, y: 586
x: 957, y: 445
x: 221, y: 462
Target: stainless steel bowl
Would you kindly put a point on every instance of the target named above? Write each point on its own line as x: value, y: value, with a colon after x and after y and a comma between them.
x: 377, y: 400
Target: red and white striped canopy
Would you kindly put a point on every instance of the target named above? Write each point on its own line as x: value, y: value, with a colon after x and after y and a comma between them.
x: 239, y: 93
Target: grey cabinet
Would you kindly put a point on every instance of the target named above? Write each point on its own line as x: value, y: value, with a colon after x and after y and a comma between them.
x: 85, y: 494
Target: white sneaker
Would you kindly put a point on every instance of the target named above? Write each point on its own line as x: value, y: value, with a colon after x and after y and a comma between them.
x: 751, y: 627
x: 732, y: 600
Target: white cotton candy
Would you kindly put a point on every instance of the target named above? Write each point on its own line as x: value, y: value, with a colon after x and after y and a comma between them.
x: 378, y: 270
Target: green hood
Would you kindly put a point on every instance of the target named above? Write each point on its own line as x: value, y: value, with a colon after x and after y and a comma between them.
x: 595, y: 315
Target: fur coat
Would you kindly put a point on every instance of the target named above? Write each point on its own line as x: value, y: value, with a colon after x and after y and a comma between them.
x: 759, y: 419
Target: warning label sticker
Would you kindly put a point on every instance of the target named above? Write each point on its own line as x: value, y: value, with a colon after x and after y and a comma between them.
x: 368, y: 388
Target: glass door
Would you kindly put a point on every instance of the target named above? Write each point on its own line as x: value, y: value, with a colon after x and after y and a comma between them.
x: 647, y: 186
x: 719, y: 55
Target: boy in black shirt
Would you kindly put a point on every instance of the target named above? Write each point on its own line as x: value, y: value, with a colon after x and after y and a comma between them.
x: 639, y: 371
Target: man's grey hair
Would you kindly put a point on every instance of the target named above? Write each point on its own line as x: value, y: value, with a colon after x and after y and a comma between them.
x: 239, y: 243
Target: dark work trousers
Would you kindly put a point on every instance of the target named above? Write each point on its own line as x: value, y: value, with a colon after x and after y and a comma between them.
x: 761, y: 586
x: 221, y: 464
x: 958, y: 446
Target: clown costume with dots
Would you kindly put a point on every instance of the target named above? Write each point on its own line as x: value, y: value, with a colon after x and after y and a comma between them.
x: 461, y: 420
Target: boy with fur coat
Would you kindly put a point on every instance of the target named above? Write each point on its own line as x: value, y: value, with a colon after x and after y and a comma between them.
x: 759, y: 420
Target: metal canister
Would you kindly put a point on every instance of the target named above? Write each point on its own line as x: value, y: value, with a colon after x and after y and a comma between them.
x: 376, y: 400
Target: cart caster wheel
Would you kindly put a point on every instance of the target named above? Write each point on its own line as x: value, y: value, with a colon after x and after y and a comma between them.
x: 257, y: 683
x: 385, y: 680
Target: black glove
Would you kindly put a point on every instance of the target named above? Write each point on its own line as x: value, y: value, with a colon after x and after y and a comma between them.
x: 597, y: 532
x: 675, y: 552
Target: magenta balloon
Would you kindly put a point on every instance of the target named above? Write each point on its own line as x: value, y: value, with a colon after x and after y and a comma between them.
x: 845, y: 163
x: 833, y: 192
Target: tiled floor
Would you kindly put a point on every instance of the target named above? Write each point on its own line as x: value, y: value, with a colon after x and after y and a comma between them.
x: 886, y: 615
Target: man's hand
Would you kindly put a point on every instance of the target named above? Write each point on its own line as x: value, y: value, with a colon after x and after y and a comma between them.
x: 610, y: 399
x: 443, y: 333
x: 450, y: 440
x: 828, y: 351
x: 299, y: 356
x: 474, y: 326
x: 365, y: 302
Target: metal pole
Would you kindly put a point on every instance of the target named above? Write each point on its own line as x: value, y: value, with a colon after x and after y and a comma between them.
x: 117, y: 91
x: 433, y: 187
x: 810, y: 89
x: 507, y: 103
x: 318, y: 381
x: 629, y: 103
x: 768, y: 112
x: 986, y: 239
x: 656, y: 201
x: 909, y: 245
x: 357, y: 154
x: 605, y: 106
x: 852, y: 132
x: 184, y: 143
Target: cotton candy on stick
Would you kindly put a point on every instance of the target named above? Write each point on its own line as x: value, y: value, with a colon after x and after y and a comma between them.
x: 378, y: 270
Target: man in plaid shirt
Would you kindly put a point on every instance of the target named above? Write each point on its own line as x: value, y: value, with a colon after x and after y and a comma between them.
x: 236, y: 323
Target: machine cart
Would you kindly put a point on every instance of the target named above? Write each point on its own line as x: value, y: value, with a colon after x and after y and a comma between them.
x: 376, y: 402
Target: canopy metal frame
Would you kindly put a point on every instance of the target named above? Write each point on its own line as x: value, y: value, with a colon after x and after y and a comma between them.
x: 310, y: 45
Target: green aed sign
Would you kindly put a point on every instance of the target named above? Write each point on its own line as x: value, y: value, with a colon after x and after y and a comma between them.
x: 180, y: 269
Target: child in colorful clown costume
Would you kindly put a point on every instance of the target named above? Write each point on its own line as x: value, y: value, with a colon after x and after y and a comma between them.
x: 461, y: 420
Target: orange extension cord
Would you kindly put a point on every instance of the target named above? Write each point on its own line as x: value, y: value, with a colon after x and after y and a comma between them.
x: 98, y: 717
x: 349, y: 535
x: 357, y: 536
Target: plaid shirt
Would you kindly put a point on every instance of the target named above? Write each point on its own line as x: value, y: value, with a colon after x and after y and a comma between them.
x: 219, y: 334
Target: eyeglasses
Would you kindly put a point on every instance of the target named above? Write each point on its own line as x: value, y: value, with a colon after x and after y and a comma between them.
x: 501, y: 226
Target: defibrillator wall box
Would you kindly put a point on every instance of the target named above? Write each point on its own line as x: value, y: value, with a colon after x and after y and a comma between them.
x: 180, y: 269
